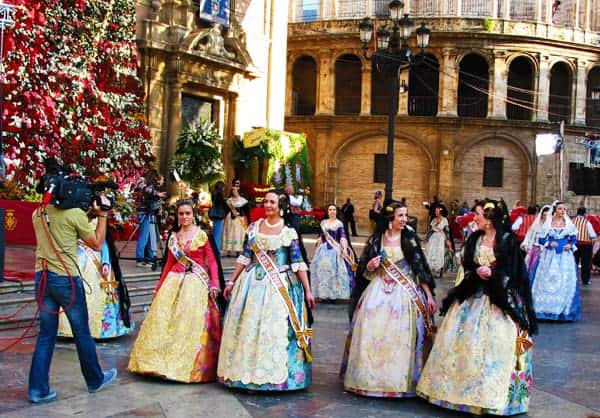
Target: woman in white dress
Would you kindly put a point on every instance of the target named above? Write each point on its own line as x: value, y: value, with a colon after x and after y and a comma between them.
x: 531, y: 243
x: 236, y: 222
x: 438, y: 242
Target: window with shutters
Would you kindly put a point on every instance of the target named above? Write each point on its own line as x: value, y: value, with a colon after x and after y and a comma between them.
x: 492, y: 171
x: 379, y: 168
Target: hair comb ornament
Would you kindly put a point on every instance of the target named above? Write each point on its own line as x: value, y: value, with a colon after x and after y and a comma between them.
x: 489, y: 205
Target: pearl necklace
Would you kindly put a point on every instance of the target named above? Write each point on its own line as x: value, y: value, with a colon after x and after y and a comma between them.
x: 392, y: 239
x: 275, y: 225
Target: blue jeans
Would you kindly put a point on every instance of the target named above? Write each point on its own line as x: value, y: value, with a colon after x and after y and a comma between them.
x: 57, y: 295
x: 144, y: 250
x: 218, y: 232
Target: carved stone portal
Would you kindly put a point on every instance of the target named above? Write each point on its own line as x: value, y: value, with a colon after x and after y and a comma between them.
x: 211, y: 41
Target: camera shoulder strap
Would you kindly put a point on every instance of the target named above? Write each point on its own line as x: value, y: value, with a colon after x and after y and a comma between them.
x: 41, y: 290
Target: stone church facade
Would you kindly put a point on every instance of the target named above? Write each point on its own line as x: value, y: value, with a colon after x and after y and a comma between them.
x: 193, y: 67
x: 496, y: 75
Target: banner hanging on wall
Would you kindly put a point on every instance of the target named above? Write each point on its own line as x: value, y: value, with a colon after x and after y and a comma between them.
x: 216, y: 11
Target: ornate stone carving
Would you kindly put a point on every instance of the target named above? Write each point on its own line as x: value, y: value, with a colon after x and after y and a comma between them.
x: 211, y: 41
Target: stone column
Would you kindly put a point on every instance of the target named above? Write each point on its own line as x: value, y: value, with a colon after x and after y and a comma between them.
x: 494, y: 10
x: 586, y: 15
x: 229, y: 104
x: 458, y: 8
x: 499, y: 82
x: 365, y: 100
x: 548, y: 17
x: 173, y: 114
x: 325, y: 85
x: 538, y: 10
x: 580, y: 89
x: 449, y: 84
x: 289, y: 81
x: 506, y: 10
x: 543, y: 97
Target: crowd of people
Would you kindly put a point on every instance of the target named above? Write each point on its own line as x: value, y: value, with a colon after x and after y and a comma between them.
x: 253, y: 329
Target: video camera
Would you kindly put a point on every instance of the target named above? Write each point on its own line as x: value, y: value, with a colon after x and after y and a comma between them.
x: 68, y: 190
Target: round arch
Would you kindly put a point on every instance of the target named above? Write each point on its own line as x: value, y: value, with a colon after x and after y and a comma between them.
x: 487, y: 57
x: 304, y: 72
x: 516, y: 167
x: 355, y: 172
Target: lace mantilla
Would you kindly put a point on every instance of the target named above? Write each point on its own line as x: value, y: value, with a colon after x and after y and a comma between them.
x: 273, y: 242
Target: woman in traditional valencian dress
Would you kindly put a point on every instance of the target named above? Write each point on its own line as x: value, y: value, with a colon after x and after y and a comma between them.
x: 438, y: 242
x: 531, y: 244
x: 266, y: 334
x: 107, y: 298
x: 179, y: 339
x: 555, y: 288
x: 391, y: 330
x: 481, y: 358
x: 236, y: 221
x: 331, y: 269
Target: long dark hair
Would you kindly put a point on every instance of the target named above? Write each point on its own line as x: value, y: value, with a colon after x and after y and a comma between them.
x: 512, y: 296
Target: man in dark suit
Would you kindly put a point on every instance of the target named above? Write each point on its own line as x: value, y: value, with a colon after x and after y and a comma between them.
x: 348, y: 217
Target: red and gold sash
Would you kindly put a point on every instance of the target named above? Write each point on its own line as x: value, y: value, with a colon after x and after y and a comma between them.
x: 349, y: 258
x: 190, y: 265
x: 395, y: 274
x: 301, y: 330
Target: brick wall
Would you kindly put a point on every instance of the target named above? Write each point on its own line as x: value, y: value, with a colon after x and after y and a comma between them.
x: 355, y: 178
x: 514, y: 172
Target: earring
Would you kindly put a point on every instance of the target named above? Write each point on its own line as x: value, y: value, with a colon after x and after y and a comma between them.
x: 280, y: 212
x: 390, y: 225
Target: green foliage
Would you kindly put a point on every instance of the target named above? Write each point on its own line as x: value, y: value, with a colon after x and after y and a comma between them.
x: 289, y: 159
x: 198, y: 156
x: 244, y: 156
x: 488, y: 24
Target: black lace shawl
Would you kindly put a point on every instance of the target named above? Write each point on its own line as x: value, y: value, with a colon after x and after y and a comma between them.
x: 413, y: 253
x: 507, y: 288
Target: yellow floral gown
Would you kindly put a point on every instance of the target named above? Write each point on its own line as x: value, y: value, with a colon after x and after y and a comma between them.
x: 387, y: 347
x: 179, y: 339
x: 473, y: 366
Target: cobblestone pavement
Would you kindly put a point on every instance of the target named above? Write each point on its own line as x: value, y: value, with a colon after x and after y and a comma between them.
x: 566, y: 370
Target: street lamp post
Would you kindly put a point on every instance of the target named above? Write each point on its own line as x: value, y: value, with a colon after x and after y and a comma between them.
x: 392, y: 54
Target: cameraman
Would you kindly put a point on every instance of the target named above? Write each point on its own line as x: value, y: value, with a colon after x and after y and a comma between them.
x: 58, y: 285
x: 147, y: 211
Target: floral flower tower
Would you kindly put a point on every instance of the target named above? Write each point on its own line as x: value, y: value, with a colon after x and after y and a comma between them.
x: 71, y: 89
